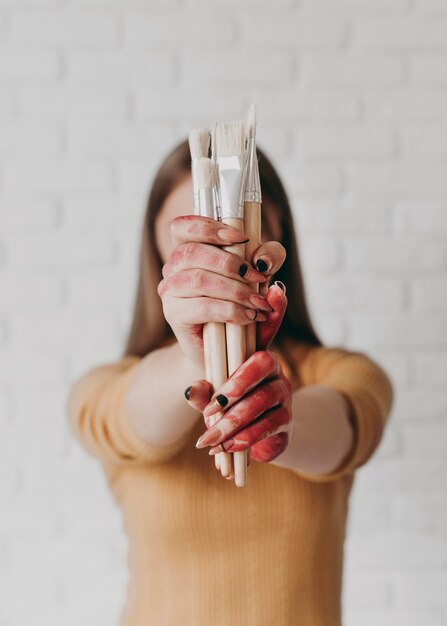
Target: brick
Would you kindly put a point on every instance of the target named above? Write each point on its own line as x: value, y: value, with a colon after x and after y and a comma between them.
x: 312, y: 178
x: 7, y: 103
x: 425, y: 141
x: 367, y: 591
x: 330, y: 328
x: 394, y: 617
x: 355, y: 6
x: 423, y: 590
x: 293, y: 29
x: 429, y: 367
x: 400, y: 32
x: 352, y: 69
x: 393, y: 256
x: 27, y: 213
x: 421, y: 513
x: 99, y: 139
x: 294, y: 103
x: 52, y: 176
x: 412, y: 104
x: 420, y: 218
x: 74, y: 103
x: 145, y: 28
x: 22, y: 138
x: 335, y: 142
x: 17, y: 367
x: 396, y: 550
x: 359, y: 215
x: 122, y: 67
x: 429, y: 438
x: 214, y: 103
x: 64, y: 27
x: 346, y: 292
x: 372, y: 514
x: 102, y: 213
x: 320, y: 252
x: 398, y: 330
x: 51, y: 251
x: 406, y: 178
x: 420, y: 403
x: 24, y: 292
x: 33, y: 66
x: 429, y: 69
x: 429, y: 294
x: 237, y: 68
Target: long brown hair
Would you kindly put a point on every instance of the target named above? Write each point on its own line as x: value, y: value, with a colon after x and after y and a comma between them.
x: 149, y: 328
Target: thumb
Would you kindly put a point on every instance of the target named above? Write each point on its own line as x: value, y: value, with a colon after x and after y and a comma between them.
x: 266, y: 331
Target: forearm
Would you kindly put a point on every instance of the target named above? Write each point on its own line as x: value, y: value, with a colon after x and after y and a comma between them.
x: 155, y: 399
x: 322, y: 434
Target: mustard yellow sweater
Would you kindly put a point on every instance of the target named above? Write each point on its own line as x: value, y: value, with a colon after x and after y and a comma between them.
x: 203, y: 552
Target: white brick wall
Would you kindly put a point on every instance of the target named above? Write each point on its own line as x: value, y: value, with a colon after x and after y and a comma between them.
x: 352, y: 102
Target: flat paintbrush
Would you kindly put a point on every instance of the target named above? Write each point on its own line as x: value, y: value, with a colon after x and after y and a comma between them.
x: 204, y: 182
x: 228, y: 149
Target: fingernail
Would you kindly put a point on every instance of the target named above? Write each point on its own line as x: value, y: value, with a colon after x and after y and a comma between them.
x: 222, y: 400
x: 260, y: 302
x: 232, y: 236
x: 188, y: 392
x: 280, y: 285
x: 251, y: 313
x: 262, y: 265
x: 208, y: 439
x: 216, y: 450
x: 243, y: 269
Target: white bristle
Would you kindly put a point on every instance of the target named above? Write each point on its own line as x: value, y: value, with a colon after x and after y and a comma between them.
x: 199, y: 143
x: 229, y: 138
x: 206, y: 173
x: 251, y: 122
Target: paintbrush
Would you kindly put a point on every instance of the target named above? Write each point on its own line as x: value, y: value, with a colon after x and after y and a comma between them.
x: 228, y: 149
x: 204, y: 182
x: 214, y: 339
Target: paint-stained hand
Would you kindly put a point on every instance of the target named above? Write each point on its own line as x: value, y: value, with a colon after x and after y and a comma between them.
x: 255, y: 402
x: 202, y: 282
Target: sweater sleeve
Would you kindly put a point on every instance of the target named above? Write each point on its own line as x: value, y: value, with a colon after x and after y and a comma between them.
x: 366, y: 387
x: 98, y: 416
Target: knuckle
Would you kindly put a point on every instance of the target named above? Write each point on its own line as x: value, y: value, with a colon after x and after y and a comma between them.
x: 197, y: 278
x: 188, y: 250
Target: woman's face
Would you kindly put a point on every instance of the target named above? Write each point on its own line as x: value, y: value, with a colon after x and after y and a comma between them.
x: 179, y: 202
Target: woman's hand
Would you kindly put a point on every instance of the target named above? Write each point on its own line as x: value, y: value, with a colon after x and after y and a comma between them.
x: 204, y: 283
x: 256, y: 399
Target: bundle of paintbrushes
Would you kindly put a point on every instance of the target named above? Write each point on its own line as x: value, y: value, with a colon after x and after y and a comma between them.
x: 227, y: 188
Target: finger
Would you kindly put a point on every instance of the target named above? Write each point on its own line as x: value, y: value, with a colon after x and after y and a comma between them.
x: 244, y: 412
x: 258, y: 367
x: 269, y: 257
x: 268, y: 449
x: 198, y: 394
x: 199, y: 282
x: 205, y: 230
x: 189, y: 311
x: 266, y: 331
x: 190, y: 255
x: 271, y: 423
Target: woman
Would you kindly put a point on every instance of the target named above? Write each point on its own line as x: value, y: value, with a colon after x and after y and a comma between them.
x: 201, y: 550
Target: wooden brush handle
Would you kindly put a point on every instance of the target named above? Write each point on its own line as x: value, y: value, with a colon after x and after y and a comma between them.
x: 252, y: 228
x: 214, y: 345
x: 236, y: 354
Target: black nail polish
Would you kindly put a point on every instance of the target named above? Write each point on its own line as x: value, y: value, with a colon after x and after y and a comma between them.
x: 188, y: 392
x: 261, y: 265
x: 222, y: 400
x: 243, y: 269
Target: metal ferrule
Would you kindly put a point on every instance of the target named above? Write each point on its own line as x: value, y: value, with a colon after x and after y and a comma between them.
x: 252, y: 182
x: 195, y: 190
x: 231, y: 178
x: 207, y: 203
